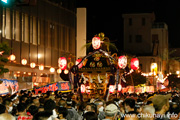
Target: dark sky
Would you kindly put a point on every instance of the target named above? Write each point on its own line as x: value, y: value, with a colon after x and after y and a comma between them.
x: 106, y: 16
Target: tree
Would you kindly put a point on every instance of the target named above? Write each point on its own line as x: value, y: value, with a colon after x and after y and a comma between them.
x: 4, y: 51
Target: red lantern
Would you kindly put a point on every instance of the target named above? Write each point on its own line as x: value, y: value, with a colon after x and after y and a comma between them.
x: 96, y: 42
x: 134, y: 63
x: 83, y: 88
x: 119, y: 87
x: 62, y: 63
x: 111, y: 88
x: 122, y: 62
x: 78, y: 61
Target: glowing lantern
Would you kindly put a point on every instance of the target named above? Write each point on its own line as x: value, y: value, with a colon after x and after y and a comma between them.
x: 59, y: 71
x: 154, y: 68
x: 32, y: 65
x: 83, y: 88
x: 52, y: 69
x: 96, y: 42
x: 78, y: 61
x: 41, y: 67
x: 111, y: 88
x: 12, y: 57
x: 119, y: 87
x: 134, y: 63
x: 62, y: 63
x: 66, y: 71
x: 23, y: 61
x: 122, y: 62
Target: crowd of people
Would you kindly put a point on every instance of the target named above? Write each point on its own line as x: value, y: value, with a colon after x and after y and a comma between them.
x: 26, y: 105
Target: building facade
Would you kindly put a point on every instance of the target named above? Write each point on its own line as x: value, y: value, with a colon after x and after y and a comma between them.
x: 147, y: 40
x: 41, y: 34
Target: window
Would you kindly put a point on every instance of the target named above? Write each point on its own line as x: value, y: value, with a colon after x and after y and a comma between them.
x: 4, y: 23
x: 49, y: 34
x: 130, y: 21
x: 130, y: 38
x: 34, y: 31
x: 39, y: 32
x: 17, y: 28
x: 31, y: 29
x: 42, y: 31
x: 143, y: 21
x: 138, y: 38
x: 22, y: 26
x: 56, y: 36
x: 26, y: 32
x: 8, y: 24
x: 64, y: 38
x: 67, y: 39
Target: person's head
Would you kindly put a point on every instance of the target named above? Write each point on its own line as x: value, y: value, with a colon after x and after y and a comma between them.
x: 40, y: 108
x: 90, y: 116
x: 91, y: 107
x: 129, y: 104
x: 62, y: 103
x: 21, y: 107
x: 6, y: 116
x: 36, y: 102
x: 100, y: 105
x: 1, y: 100
x: 69, y: 102
x: 9, y: 105
x: 2, y: 108
x: 111, y: 110
x: 23, y: 99
x: 44, y: 115
x: 49, y: 105
x: 33, y: 109
x: 62, y: 111
x: 161, y: 102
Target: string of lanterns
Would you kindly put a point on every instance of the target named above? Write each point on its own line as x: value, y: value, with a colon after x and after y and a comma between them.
x: 12, y: 57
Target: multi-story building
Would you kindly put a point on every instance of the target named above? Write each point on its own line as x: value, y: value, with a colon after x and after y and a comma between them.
x: 147, y: 40
x: 39, y: 33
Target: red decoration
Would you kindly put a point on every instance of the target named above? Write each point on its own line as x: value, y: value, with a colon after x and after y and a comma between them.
x: 111, y: 88
x: 122, y: 62
x: 134, y: 63
x: 96, y: 42
x: 78, y: 61
x: 62, y: 63
x: 83, y: 88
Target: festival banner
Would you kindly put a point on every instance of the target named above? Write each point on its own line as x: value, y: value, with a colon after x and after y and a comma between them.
x: 58, y: 86
x: 8, y: 86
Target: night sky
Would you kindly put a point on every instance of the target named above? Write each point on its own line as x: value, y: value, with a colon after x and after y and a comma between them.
x: 106, y: 16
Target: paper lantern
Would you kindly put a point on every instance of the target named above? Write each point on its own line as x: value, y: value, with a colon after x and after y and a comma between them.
x: 134, y: 63
x: 83, y: 88
x: 119, y: 87
x: 32, y: 65
x: 122, y: 62
x: 111, y: 88
x: 52, y: 69
x: 12, y: 57
x: 66, y: 71
x: 62, y: 63
x: 96, y: 42
x: 41, y: 67
x: 59, y: 71
x: 78, y: 61
x: 23, y: 61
